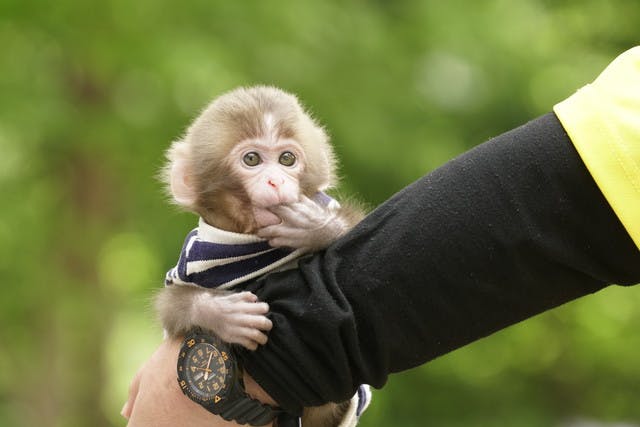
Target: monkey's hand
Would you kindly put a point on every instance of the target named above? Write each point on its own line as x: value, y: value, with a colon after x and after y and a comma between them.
x: 235, y: 317
x: 305, y: 225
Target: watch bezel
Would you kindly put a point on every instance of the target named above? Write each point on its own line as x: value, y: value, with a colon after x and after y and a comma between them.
x: 230, y: 377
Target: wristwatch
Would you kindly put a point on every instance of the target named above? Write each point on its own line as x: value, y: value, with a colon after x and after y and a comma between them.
x: 208, y: 374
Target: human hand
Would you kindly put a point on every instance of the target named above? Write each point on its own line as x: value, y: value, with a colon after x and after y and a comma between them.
x: 155, y: 399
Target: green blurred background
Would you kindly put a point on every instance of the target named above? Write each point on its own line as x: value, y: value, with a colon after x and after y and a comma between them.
x: 91, y: 93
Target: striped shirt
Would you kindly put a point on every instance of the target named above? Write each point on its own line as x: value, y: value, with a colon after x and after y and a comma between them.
x: 216, y: 258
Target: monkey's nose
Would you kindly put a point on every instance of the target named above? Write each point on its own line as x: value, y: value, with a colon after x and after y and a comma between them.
x: 275, y: 183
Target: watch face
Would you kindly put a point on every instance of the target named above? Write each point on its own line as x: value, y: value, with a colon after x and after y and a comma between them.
x: 204, y: 369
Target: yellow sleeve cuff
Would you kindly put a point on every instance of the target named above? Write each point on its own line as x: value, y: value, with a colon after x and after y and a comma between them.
x: 603, y: 121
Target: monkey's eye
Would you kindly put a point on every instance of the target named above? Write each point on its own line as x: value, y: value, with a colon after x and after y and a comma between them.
x: 252, y: 159
x: 287, y: 158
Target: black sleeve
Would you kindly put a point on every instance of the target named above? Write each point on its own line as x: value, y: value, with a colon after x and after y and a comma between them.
x: 508, y: 230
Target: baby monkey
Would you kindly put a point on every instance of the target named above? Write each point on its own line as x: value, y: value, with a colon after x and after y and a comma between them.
x: 253, y: 166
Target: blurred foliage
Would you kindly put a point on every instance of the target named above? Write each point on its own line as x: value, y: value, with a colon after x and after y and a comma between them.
x: 93, y: 92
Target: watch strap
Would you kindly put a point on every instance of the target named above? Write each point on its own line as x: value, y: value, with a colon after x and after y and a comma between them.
x: 245, y: 410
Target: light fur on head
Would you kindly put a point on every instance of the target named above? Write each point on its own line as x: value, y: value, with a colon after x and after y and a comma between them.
x: 246, y: 113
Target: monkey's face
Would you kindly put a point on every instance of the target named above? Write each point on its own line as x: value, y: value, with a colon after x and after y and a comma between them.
x: 269, y: 171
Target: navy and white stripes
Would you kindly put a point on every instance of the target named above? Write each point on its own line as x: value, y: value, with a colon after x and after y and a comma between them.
x: 216, y: 258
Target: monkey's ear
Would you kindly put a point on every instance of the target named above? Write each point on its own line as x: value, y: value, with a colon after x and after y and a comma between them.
x: 179, y: 177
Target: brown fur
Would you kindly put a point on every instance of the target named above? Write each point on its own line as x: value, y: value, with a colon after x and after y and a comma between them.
x: 236, y: 116
x: 328, y: 415
x: 221, y: 200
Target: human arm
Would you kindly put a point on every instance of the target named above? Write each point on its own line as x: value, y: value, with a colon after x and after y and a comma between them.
x: 512, y: 228
x: 508, y: 230
x: 156, y: 400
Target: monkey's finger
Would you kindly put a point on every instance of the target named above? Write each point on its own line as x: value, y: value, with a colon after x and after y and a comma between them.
x: 302, y: 215
x: 288, y: 238
x: 315, y: 209
x: 246, y: 337
x: 246, y: 343
x: 310, y: 206
x: 285, y: 229
x: 289, y: 242
x: 251, y: 345
x: 260, y: 338
x: 292, y: 233
x: 250, y: 308
x: 279, y: 209
x: 304, y: 199
x: 310, y: 211
x: 269, y: 231
x: 296, y: 215
x: 242, y: 296
x: 255, y: 335
x: 287, y: 213
x: 244, y: 302
x: 254, y: 321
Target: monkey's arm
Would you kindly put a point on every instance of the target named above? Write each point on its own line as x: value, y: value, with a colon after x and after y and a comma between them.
x: 235, y: 317
x: 310, y: 226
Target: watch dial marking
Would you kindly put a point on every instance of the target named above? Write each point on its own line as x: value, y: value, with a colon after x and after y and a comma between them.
x: 206, y: 371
